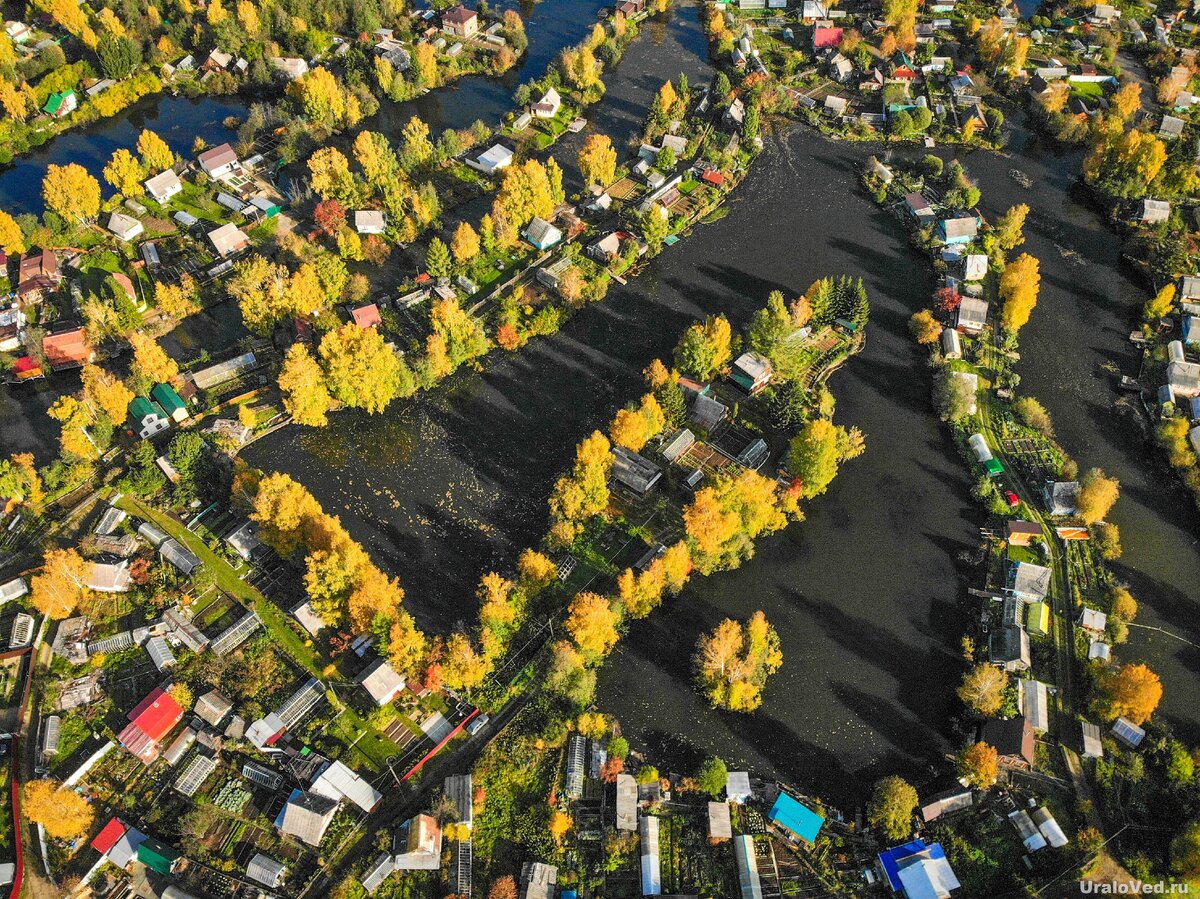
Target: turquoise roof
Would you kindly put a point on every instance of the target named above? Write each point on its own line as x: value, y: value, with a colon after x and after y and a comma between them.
x: 796, y: 817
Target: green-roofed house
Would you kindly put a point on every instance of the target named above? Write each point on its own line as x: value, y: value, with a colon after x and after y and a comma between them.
x: 147, y: 417
x: 60, y: 104
x: 1038, y: 619
x: 158, y: 856
x: 171, y: 402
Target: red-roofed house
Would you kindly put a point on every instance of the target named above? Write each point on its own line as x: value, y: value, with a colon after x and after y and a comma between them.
x: 713, y: 177
x: 150, y: 721
x: 109, y: 835
x: 126, y: 284
x: 67, y: 349
x: 41, y: 263
x: 904, y: 73
x: 460, y: 21
x: 366, y: 316
x: 826, y: 38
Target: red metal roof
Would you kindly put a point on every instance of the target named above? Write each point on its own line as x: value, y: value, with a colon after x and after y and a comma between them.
x: 826, y: 37
x: 712, y: 176
x: 108, y: 837
x: 156, y: 714
x: 67, y: 348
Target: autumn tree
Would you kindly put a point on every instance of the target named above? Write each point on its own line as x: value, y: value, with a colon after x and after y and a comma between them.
x: 416, y: 146
x: 559, y: 825
x: 329, y: 175
x: 925, y: 328
x: 979, y: 765
x: 1034, y: 415
x: 1010, y: 227
x: 655, y: 227
x: 177, y: 300
x: 284, y: 511
x: 677, y: 566
x: 592, y: 622
x: 12, y: 241
x: 65, y: 814
x: 326, y: 102
x: 106, y: 392
x: 982, y: 689
x: 302, y: 383
x: 361, y: 370
x: 463, y: 666
x: 156, y: 155
x: 330, y: 216
x: 1131, y: 691
x: 1019, y: 286
x: 465, y: 244
x: 901, y: 16
x: 1097, y: 493
x: 76, y: 416
x: 19, y: 480
x: 1126, y: 101
x: 568, y: 675
x: 726, y: 517
x: 1161, y: 304
x: 584, y: 492
x: 536, y: 570
x: 816, y: 452
x: 890, y: 809
x: 125, y: 173
x: 407, y: 646
x: 705, y: 347
x: 150, y: 361
x: 633, y: 427
x: 524, y: 194
x: 598, y: 160
x: 61, y: 586
x: 503, y: 888
x: 735, y: 660
x: 71, y: 192
x: 1121, y: 604
x: 1123, y: 162
x: 642, y: 592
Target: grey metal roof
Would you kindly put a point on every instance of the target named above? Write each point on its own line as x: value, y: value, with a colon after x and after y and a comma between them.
x: 265, y: 870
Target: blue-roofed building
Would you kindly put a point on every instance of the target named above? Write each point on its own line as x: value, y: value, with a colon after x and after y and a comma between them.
x: 918, y: 871
x: 1191, y: 329
x: 568, y: 894
x: 793, y: 815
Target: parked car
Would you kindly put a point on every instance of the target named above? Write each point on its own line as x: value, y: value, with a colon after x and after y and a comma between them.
x: 1012, y: 499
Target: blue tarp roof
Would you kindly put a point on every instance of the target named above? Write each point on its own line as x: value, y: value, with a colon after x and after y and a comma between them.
x: 283, y: 811
x: 796, y: 817
x: 892, y: 858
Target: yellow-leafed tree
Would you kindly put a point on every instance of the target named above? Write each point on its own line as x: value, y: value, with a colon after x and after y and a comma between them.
x: 302, y: 383
x: 65, y: 814
x: 1019, y: 286
x: 61, y: 586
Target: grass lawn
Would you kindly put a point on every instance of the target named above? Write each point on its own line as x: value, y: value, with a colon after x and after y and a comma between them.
x: 1087, y: 90
x: 273, y: 619
x: 370, y: 745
